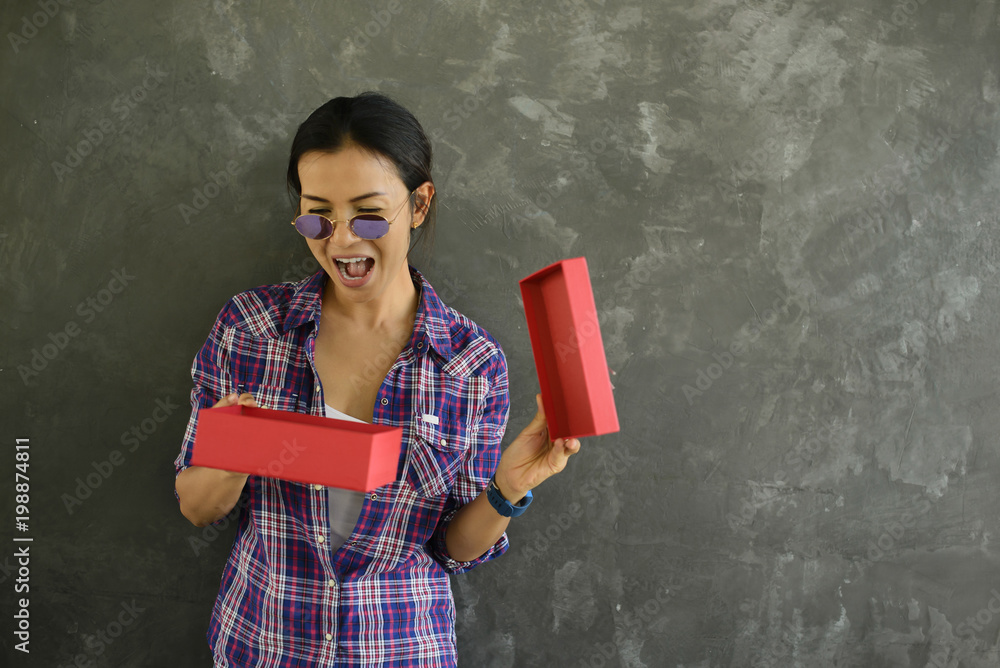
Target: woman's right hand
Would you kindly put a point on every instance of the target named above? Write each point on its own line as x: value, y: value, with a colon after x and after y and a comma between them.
x: 207, y: 493
x: 245, y: 399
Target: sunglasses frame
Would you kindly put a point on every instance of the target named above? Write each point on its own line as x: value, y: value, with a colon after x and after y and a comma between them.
x: 350, y: 221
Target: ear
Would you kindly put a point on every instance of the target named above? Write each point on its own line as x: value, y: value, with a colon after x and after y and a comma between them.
x: 422, y: 202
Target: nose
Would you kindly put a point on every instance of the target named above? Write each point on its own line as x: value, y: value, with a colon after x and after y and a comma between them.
x: 342, y: 235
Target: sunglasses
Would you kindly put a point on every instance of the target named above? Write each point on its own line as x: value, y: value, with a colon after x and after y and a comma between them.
x: 363, y: 225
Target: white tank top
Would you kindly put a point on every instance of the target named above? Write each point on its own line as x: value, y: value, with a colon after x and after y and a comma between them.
x: 345, y: 504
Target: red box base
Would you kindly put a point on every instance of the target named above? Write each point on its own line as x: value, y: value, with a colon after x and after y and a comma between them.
x: 293, y: 446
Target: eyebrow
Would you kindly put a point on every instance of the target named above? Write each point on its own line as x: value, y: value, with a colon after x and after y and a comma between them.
x: 353, y: 199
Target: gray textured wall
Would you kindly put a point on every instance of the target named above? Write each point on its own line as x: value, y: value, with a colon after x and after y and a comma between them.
x: 790, y: 213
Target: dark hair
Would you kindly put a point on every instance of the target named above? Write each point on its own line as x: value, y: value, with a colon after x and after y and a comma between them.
x: 376, y: 124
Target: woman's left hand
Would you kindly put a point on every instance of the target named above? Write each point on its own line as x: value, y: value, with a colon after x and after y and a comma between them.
x: 532, y: 457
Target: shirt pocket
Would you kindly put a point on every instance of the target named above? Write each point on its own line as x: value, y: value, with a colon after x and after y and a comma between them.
x: 436, y: 455
x: 273, y: 397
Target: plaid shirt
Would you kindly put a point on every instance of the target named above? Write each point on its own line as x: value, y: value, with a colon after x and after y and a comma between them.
x: 383, y: 598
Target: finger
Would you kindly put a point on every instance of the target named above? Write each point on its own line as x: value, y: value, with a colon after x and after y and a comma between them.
x: 246, y: 399
x: 538, y: 424
x: 228, y: 400
x: 570, y: 447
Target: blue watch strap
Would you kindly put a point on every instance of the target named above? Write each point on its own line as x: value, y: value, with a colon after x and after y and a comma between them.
x: 502, y: 505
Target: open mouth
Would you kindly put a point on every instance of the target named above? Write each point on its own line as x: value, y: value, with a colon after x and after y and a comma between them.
x: 355, y: 268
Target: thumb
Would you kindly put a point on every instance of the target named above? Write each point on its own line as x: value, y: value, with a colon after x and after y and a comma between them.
x: 538, y: 422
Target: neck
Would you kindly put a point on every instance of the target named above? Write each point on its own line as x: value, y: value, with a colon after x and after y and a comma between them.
x: 396, y: 306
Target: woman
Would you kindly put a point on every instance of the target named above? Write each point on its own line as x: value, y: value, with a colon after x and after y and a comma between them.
x: 326, y: 577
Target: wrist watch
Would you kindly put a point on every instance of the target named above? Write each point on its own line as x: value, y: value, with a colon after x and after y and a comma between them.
x: 501, y: 504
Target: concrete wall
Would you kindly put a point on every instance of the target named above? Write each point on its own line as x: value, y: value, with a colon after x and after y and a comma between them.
x: 789, y: 210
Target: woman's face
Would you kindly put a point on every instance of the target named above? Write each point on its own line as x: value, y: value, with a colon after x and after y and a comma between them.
x: 352, y: 181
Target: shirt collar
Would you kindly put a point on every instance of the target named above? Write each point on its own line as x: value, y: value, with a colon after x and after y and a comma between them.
x: 433, y: 320
x: 430, y: 327
x: 305, y: 302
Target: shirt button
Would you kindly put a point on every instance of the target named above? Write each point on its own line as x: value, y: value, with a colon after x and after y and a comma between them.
x: 353, y: 543
x: 320, y: 539
x: 420, y: 345
x: 333, y: 583
x: 329, y: 637
x: 317, y: 487
x: 385, y: 402
x: 444, y: 442
x: 374, y: 497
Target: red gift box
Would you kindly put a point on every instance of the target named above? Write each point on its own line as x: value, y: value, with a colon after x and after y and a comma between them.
x: 293, y: 446
x: 569, y: 354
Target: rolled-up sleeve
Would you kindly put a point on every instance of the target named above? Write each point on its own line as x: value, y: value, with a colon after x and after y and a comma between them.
x: 212, y: 381
x: 478, y: 467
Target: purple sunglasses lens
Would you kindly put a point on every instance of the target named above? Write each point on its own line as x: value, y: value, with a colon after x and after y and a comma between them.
x: 313, y: 226
x: 369, y: 226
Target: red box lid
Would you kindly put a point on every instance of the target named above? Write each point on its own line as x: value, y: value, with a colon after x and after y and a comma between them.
x: 569, y: 354
x: 293, y: 446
